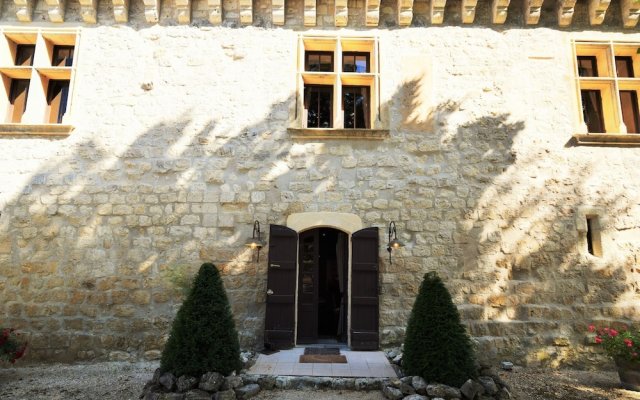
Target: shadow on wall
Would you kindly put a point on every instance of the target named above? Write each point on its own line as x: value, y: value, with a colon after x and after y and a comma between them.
x: 86, y: 243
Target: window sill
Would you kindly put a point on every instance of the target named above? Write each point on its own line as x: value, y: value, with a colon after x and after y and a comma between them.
x: 333, y: 133
x: 35, y: 130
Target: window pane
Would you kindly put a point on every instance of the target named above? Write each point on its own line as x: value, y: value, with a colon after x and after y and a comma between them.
x: 355, y: 62
x: 24, y: 54
x: 319, y: 61
x: 318, y: 103
x: 624, y: 67
x: 592, y: 110
x: 355, y: 103
x: 629, y: 103
x: 18, y: 99
x: 62, y: 56
x: 57, y: 94
x: 587, y: 66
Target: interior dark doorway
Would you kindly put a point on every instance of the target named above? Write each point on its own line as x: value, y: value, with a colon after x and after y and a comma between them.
x: 323, y: 286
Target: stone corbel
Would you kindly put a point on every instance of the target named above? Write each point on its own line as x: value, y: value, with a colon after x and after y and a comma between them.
x: 277, y: 12
x: 88, y: 11
x: 183, y: 11
x: 246, y: 12
x: 405, y: 12
x: 24, y: 10
x: 499, y: 9
x: 532, y: 9
x: 372, y: 12
x: 565, y: 12
x: 468, y: 11
x: 597, y: 11
x: 436, y: 10
x: 341, y: 13
x: 309, y: 12
x: 215, y: 11
x: 56, y: 10
x: 121, y: 10
x: 630, y: 12
x: 151, y: 10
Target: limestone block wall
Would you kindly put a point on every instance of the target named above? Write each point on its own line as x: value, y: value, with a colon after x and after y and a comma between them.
x: 181, y: 142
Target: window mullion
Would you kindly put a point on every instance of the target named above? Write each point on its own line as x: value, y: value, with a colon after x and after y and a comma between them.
x: 338, y: 120
x: 622, y: 128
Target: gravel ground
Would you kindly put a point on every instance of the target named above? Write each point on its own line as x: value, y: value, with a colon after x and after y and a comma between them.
x: 124, y: 381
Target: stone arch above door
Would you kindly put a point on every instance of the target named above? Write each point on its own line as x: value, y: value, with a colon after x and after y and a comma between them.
x: 345, y: 222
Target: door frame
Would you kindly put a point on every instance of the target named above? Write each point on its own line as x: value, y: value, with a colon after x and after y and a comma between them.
x: 345, y: 222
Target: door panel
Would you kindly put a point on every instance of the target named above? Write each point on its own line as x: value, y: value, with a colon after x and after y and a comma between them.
x: 308, y: 287
x: 364, y: 290
x: 281, y: 283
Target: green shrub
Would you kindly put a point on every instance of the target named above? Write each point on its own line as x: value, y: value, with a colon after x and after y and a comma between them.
x: 437, y: 346
x: 11, y: 347
x: 203, y: 337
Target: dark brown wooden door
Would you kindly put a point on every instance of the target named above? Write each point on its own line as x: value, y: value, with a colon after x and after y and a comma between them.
x: 281, y: 287
x: 364, y: 290
x: 308, y: 287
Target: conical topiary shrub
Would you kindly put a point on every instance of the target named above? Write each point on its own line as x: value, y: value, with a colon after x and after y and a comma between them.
x: 203, y: 337
x: 437, y: 346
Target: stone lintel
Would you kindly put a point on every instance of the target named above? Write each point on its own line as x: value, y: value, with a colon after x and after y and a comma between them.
x: 151, y: 10
x: 246, y: 12
x: 56, y: 10
x: 277, y: 12
x: 499, y: 9
x: 88, y: 10
x: 436, y: 11
x: 372, y: 9
x: 405, y: 12
x: 24, y: 10
x: 597, y: 11
x: 468, y: 11
x: 341, y: 13
x: 565, y: 12
x: 532, y: 9
x: 183, y: 11
x: 121, y: 10
x: 309, y: 12
x: 215, y: 11
x: 630, y: 12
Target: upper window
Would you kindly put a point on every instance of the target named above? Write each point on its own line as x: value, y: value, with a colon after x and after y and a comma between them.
x: 608, y: 86
x: 339, y: 83
x: 38, y: 76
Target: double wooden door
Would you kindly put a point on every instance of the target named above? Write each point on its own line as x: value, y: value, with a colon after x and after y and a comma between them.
x: 280, y: 319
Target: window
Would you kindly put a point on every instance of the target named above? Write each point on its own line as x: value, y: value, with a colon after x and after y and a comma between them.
x: 38, y: 79
x: 338, y: 81
x: 608, y: 87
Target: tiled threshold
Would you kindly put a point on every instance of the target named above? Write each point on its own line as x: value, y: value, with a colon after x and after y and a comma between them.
x: 361, y: 364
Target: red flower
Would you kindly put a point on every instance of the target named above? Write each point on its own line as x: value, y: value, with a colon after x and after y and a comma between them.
x: 613, y: 332
x: 592, y: 328
x: 628, y: 342
x: 598, y: 339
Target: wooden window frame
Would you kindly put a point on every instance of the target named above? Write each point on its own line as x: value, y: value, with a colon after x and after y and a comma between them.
x: 318, y: 53
x: 41, y: 73
x: 355, y: 54
x: 338, y: 46
x: 610, y: 84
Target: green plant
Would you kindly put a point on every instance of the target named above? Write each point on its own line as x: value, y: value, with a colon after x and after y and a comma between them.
x: 180, y: 278
x: 11, y: 348
x: 437, y: 346
x: 621, y: 344
x: 203, y: 336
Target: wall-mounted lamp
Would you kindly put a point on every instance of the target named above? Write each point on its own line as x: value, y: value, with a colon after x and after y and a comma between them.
x: 394, y: 244
x: 255, y: 242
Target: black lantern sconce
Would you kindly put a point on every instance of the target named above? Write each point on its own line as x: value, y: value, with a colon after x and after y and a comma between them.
x: 255, y: 242
x: 394, y: 244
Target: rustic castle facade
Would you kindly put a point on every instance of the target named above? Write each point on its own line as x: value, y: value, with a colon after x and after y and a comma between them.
x: 139, y: 137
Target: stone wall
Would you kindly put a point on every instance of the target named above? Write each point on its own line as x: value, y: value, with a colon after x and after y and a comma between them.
x: 181, y: 142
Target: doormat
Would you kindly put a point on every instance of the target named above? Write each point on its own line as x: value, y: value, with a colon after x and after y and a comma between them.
x: 326, y: 351
x: 323, y: 358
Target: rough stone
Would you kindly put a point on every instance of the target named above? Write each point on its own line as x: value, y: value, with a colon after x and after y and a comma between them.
x: 392, y: 393
x: 439, y: 390
x: 197, y: 394
x: 225, y: 395
x: 247, y: 391
x: 416, y: 397
x: 232, y: 382
x: 489, y: 385
x: 419, y: 385
x: 186, y: 383
x: 267, y: 382
x: 471, y: 389
x: 211, y: 381
x: 168, y: 381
